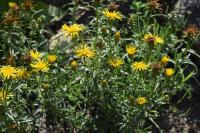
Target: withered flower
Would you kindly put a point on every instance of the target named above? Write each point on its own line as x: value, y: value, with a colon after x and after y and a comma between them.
x: 156, y: 67
x: 112, y: 6
x: 28, y: 4
x: 10, y: 59
x: 10, y: 18
x: 154, y: 4
x: 191, y: 31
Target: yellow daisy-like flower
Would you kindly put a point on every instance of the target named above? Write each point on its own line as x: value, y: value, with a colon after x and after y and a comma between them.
x: 139, y: 66
x: 40, y: 65
x: 112, y: 15
x: 35, y: 55
x: 52, y: 58
x: 130, y: 49
x: 5, y: 95
x: 22, y: 73
x: 165, y: 59
x: 115, y: 62
x: 13, y: 5
x: 169, y: 72
x: 141, y: 100
x: 72, y: 30
x: 84, y: 52
x: 153, y: 39
x: 8, y: 72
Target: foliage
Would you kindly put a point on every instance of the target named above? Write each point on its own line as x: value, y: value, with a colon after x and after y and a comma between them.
x: 121, y: 69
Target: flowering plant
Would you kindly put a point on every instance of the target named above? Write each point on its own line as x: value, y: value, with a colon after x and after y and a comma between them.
x: 119, y: 72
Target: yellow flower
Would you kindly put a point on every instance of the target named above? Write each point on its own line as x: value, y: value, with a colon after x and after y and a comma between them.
x: 13, y: 5
x: 112, y: 15
x: 74, y: 64
x: 169, y: 72
x: 46, y: 86
x: 40, y: 65
x: 22, y: 73
x: 35, y: 55
x: 104, y: 29
x: 117, y: 35
x: 115, y: 62
x: 52, y: 58
x: 165, y: 59
x: 139, y: 66
x: 153, y: 39
x: 8, y: 72
x: 4, y: 95
x: 141, y: 100
x: 130, y: 49
x: 104, y: 83
x: 72, y: 30
x: 84, y: 52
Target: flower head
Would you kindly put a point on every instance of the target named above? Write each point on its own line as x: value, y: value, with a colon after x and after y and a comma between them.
x: 169, y: 72
x: 52, y: 58
x: 72, y: 30
x: 28, y: 4
x: 104, y: 83
x: 139, y: 66
x: 130, y: 49
x: 156, y: 66
x: 40, y: 65
x: 10, y: 18
x: 13, y: 5
x: 191, y: 31
x: 153, y: 39
x: 165, y: 59
x: 117, y: 35
x: 112, y: 15
x: 84, y: 52
x: 8, y: 72
x: 141, y: 100
x: 115, y: 62
x: 112, y: 6
x: 4, y: 95
x: 154, y: 4
x: 22, y: 73
x: 74, y: 64
x: 35, y: 55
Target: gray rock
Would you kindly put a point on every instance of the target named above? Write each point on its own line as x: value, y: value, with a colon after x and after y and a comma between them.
x: 190, y: 9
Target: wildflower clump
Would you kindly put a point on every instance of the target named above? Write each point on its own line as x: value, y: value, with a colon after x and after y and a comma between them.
x: 112, y: 74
